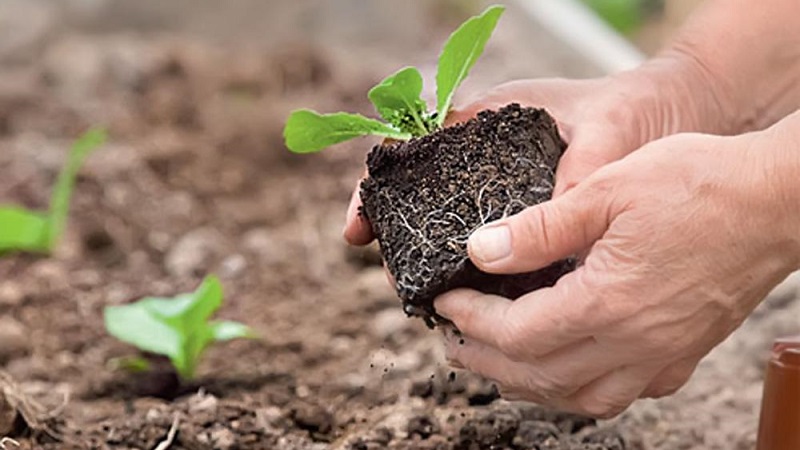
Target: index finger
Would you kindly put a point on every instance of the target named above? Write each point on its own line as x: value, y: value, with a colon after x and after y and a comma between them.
x: 532, y: 326
x: 357, y: 229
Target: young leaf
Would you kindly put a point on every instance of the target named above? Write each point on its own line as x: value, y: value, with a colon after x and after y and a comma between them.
x: 460, y: 52
x: 397, y: 100
x: 307, y: 131
x: 62, y: 193
x: 22, y: 230
x: 178, y: 328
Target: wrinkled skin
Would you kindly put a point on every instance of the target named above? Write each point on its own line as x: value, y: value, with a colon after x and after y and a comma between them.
x: 679, y: 257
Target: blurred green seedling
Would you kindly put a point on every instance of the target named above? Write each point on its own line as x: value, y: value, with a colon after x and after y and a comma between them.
x: 397, y: 98
x: 178, y: 328
x: 24, y: 230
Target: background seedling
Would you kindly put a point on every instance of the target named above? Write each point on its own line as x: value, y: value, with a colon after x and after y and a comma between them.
x: 39, y: 232
x: 178, y: 328
x: 397, y: 98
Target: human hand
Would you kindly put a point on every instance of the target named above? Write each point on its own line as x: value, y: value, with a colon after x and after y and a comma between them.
x: 687, y: 236
x: 601, y: 119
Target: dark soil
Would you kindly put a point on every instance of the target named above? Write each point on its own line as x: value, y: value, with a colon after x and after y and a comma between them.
x: 426, y: 196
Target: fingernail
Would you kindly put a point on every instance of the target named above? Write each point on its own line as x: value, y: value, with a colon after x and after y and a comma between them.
x: 491, y: 243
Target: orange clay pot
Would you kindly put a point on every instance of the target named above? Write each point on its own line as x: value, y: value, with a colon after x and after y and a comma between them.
x: 779, y: 427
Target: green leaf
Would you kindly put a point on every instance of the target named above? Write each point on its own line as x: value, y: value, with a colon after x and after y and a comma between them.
x: 22, y: 230
x: 205, y: 302
x: 307, y: 131
x: 397, y: 100
x: 137, y: 325
x: 62, y: 193
x: 460, y: 52
x: 178, y: 327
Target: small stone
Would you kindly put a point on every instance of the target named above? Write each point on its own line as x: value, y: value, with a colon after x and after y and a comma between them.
x: 191, y: 255
x: 13, y: 339
x: 233, y: 266
x: 202, y: 403
x: 269, y: 417
x: 302, y: 391
x: 11, y: 293
x: 312, y: 418
x: 222, y: 438
x: 263, y: 243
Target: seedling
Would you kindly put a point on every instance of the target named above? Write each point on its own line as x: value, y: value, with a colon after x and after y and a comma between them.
x: 397, y: 98
x: 39, y: 232
x: 178, y: 328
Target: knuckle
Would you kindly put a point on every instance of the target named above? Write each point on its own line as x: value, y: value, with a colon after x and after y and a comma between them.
x: 511, y: 340
x: 535, y: 231
x: 549, y: 386
x: 511, y: 343
x: 601, y: 408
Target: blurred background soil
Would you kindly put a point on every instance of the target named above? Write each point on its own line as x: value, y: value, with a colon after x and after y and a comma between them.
x: 196, y: 180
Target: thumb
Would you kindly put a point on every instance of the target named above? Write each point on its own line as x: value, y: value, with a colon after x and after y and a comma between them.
x: 542, y: 234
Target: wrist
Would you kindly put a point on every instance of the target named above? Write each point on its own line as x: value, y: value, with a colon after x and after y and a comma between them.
x: 674, y: 93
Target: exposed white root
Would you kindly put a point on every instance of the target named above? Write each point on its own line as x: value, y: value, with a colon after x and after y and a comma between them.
x: 4, y: 441
x: 173, y: 430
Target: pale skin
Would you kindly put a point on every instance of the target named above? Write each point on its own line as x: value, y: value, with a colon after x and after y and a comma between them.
x: 680, y: 189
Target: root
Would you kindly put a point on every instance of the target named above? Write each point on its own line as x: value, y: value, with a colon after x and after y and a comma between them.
x: 173, y: 430
x: 4, y: 441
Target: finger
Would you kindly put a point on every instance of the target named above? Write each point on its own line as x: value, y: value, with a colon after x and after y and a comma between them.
x: 557, y: 375
x: 357, y: 229
x: 671, y: 379
x: 543, y: 233
x: 462, y: 352
x: 533, y: 325
x: 587, y: 152
x: 610, y: 394
x: 389, y: 277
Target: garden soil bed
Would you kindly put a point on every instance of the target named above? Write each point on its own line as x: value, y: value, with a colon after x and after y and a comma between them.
x: 196, y: 180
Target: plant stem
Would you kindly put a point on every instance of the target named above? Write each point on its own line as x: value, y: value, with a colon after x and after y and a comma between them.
x: 62, y: 192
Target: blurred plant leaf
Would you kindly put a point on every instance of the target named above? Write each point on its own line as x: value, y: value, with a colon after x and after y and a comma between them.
x: 178, y: 327
x: 32, y: 231
x: 62, y: 193
x: 22, y: 230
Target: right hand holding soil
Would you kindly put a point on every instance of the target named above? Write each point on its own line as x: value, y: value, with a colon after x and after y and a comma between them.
x: 679, y: 256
